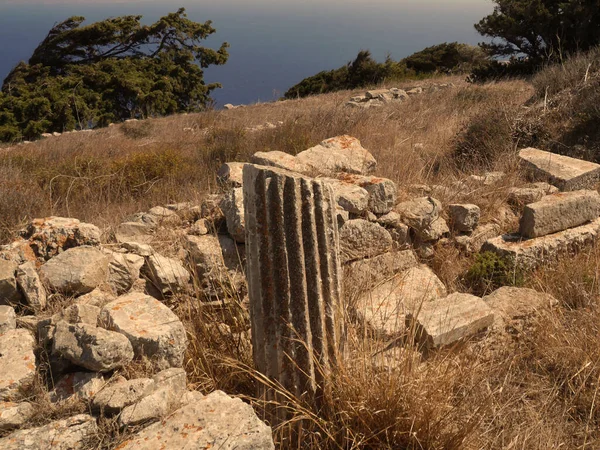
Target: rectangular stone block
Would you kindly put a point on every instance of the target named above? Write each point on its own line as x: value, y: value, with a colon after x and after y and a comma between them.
x: 566, y: 173
x: 559, y: 212
x: 450, y: 319
x: 531, y: 253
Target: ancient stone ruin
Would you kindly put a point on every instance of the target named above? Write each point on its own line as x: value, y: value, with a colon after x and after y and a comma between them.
x: 303, y: 248
x: 294, y: 279
x: 379, y: 97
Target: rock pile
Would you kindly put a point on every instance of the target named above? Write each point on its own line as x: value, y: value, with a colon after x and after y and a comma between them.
x: 113, y: 317
x: 379, y: 97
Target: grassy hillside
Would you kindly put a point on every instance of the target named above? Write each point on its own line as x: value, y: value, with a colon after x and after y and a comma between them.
x: 535, y: 389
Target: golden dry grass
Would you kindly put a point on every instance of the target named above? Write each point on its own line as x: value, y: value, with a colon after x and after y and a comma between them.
x: 532, y: 389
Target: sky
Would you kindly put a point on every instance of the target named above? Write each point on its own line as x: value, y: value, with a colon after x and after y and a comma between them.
x: 274, y: 43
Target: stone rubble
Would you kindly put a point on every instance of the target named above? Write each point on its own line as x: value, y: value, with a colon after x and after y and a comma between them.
x: 96, y: 302
x: 379, y: 97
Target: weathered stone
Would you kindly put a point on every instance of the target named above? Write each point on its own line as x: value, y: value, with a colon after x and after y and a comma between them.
x: 415, y: 91
x: 134, y: 232
x: 9, y: 294
x: 215, y: 420
x: 117, y: 395
x: 512, y: 304
x: 376, y: 93
x: 281, y: 160
x: 531, y: 193
x: 123, y: 271
x: 200, y: 227
x: 76, y: 271
x: 165, y: 216
x: 383, y: 309
x: 450, y: 319
x: 96, y: 298
x: 401, y: 238
x: 17, y: 362
x: 68, y: 434
x: 382, y: 192
x: 18, y: 252
x: 47, y: 237
x: 435, y: 231
x: 138, y: 249
x: 464, y: 218
x: 8, y: 319
x: 31, y: 286
x: 338, y: 154
x: 80, y: 385
x: 168, y: 275
x: 78, y: 313
x: 152, y: 328
x: 349, y: 197
x: 360, y: 238
x: 160, y: 399
x: 233, y: 208
x: 15, y: 415
x: 567, y: 174
x: 210, y: 209
x: 230, y: 174
x: 144, y: 218
x: 293, y: 279
x: 473, y: 242
x: 366, y: 273
x: 558, y: 212
x: 419, y: 213
x: 90, y: 347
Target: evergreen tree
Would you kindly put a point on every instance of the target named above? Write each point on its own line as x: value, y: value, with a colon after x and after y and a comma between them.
x: 541, y: 30
x: 91, y: 75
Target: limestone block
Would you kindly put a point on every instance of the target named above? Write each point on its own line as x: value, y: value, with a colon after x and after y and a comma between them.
x: 558, y: 212
x: 360, y: 238
x: 465, y: 217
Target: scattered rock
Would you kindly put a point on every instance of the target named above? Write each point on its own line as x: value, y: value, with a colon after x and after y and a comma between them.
x: 349, y: 197
x: 80, y: 385
x: 281, y: 160
x: 67, y: 434
x: 160, y: 399
x: 76, y: 271
x: 31, y: 286
x: 450, y: 319
x: 567, y: 174
x: 382, y: 192
x: 199, y: 228
x: 117, y: 395
x: 384, y: 308
x: 360, y: 238
x: 558, y: 212
x: 473, y: 242
x: 420, y: 214
x: 138, y: 249
x: 15, y: 415
x: 487, y: 179
x: 464, y: 218
x: 338, y: 154
x: 215, y: 420
x: 152, y: 328
x: 47, y: 237
x: 134, y: 232
x: 232, y: 206
x: 168, y: 275
x: 9, y: 294
x: 90, y: 347
x: 366, y: 273
x: 123, y: 271
x: 17, y: 362
x: 8, y: 319
x: 165, y: 216
x: 512, y: 305
x: 231, y: 174
x: 97, y: 298
x: 532, y: 193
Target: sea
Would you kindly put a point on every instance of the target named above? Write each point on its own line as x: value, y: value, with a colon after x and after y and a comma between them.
x: 274, y: 43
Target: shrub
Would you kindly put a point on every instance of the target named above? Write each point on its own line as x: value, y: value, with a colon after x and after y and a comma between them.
x: 490, y: 272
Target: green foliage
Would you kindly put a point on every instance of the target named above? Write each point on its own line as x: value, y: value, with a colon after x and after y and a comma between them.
x: 543, y: 30
x: 81, y: 76
x: 446, y: 57
x: 490, y: 272
x: 365, y: 71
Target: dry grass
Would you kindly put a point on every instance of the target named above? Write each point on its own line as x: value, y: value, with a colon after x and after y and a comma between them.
x: 533, y: 388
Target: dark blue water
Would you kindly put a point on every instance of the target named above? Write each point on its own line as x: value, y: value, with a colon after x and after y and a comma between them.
x: 274, y: 43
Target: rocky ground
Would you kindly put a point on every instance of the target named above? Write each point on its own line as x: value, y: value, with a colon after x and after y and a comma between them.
x: 80, y: 310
